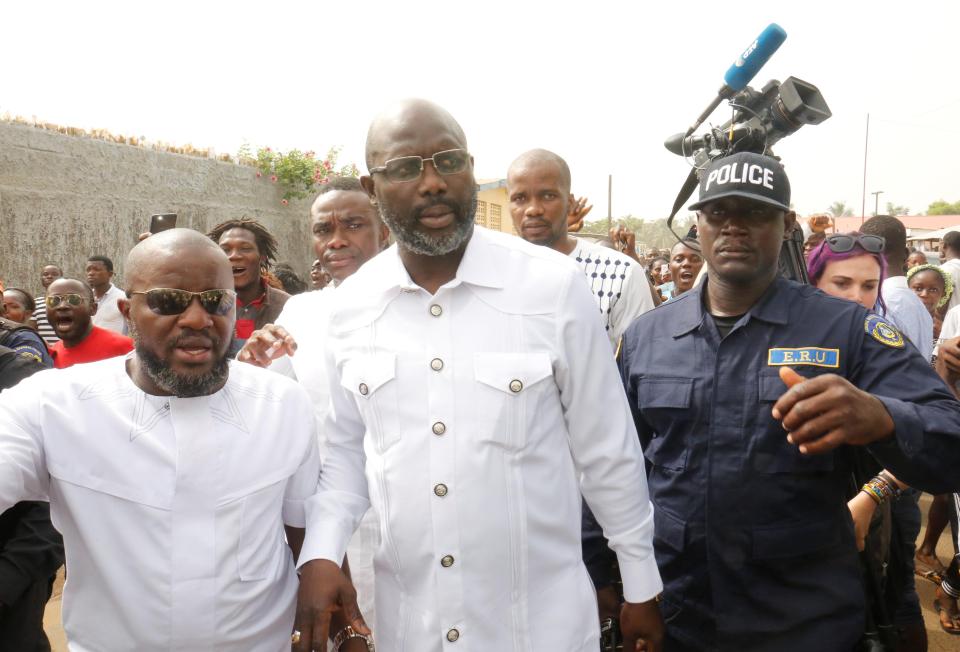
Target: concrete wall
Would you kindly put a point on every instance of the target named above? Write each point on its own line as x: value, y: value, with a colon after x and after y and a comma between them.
x: 64, y: 198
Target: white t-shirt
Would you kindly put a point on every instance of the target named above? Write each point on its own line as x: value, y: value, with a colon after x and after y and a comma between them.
x: 952, y: 267
x: 108, y: 314
x: 171, y: 509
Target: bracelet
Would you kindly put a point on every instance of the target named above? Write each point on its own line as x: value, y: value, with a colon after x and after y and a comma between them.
x: 879, y: 489
x: 346, y: 634
x: 894, y: 487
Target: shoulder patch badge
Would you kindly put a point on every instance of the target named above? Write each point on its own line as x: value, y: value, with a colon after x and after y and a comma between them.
x: 883, y: 331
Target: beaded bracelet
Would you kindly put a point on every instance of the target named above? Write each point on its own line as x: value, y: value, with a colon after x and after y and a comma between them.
x: 879, y: 489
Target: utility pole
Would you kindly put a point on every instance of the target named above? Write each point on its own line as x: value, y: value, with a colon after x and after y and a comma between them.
x: 876, y: 201
x: 609, y: 202
x: 863, y: 203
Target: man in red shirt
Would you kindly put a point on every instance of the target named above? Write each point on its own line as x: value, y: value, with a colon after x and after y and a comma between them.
x: 70, y: 306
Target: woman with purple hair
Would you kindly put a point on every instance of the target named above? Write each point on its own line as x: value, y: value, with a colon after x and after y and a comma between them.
x: 852, y: 266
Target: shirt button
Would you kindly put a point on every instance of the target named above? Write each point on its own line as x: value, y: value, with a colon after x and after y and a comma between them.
x: 439, y: 428
x: 446, y: 561
x: 515, y: 385
x: 436, y: 364
x: 436, y: 310
x: 364, y: 390
x: 440, y: 490
x: 453, y: 635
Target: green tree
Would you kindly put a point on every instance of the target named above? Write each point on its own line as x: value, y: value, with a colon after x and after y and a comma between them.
x: 893, y: 209
x: 940, y: 207
x: 840, y: 209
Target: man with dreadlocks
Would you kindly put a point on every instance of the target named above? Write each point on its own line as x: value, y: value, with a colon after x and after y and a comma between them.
x: 251, y: 249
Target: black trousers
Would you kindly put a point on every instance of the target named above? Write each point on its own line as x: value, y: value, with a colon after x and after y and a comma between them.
x: 21, y: 624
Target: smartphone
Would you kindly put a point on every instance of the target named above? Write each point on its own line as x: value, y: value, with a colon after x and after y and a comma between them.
x: 162, y: 222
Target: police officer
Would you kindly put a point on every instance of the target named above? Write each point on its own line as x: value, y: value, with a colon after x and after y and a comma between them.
x: 749, y: 478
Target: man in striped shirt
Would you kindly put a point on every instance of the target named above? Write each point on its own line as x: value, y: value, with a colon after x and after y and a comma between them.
x: 48, y: 275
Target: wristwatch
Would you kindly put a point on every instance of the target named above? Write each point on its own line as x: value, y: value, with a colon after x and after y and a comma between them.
x: 346, y: 634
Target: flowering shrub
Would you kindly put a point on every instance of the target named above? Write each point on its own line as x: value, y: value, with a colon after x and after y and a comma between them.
x: 298, y: 173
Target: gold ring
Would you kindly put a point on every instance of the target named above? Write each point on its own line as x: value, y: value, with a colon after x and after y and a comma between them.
x: 295, y: 637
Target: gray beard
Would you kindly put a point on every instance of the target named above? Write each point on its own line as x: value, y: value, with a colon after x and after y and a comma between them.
x: 419, y: 242
x: 179, y: 385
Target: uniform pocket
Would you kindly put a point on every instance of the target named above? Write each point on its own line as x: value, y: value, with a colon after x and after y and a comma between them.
x: 261, y: 533
x: 371, y: 380
x: 774, y: 454
x: 669, y: 541
x: 507, y: 388
x: 795, y: 539
x: 665, y: 405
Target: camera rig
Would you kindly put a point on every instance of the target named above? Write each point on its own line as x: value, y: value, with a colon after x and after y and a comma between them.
x: 760, y: 119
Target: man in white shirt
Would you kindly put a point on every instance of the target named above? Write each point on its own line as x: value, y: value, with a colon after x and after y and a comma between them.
x: 470, y: 391
x: 170, y: 472
x: 347, y: 232
x: 99, y: 274
x: 538, y: 185
x: 904, y: 307
x: 950, y: 254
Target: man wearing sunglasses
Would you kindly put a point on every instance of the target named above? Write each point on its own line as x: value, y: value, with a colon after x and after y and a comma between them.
x: 70, y: 308
x: 747, y: 392
x: 171, y: 472
x: 469, y: 380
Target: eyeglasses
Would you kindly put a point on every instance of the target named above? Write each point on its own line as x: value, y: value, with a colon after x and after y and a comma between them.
x: 841, y: 243
x: 54, y: 300
x: 408, y: 168
x: 169, y: 301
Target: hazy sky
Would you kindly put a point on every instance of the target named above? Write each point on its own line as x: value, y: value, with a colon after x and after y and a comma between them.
x: 601, y: 83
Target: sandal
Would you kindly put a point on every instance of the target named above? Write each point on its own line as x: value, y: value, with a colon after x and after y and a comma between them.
x: 954, y: 618
x: 928, y: 571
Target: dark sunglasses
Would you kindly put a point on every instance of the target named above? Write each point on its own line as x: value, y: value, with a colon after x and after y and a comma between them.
x: 408, y: 168
x: 841, y: 243
x: 170, y: 301
x: 54, y: 300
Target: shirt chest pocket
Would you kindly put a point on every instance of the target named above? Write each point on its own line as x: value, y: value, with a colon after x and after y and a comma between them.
x: 372, y: 382
x: 666, y: 405
x: 261, y: 533
x: 509, y: 388
x: 772, y: 453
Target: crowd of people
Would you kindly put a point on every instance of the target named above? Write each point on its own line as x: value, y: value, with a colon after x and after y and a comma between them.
x: 470, y: 440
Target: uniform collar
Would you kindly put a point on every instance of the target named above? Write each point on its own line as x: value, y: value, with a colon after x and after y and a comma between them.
x: 773, y: 306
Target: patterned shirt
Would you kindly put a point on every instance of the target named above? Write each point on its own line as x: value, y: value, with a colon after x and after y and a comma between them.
x: 43, y: 326
x: 621, y: 292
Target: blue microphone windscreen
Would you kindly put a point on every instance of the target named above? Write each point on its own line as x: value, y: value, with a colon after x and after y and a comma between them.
x: 754, y: 57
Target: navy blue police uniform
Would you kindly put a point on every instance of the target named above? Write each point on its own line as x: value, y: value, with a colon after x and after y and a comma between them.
x: 754, y: 540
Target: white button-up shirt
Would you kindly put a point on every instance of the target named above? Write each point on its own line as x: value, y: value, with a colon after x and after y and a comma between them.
x: 171, y: 509
x: 108, y: 314
x: 908, y: 313
x: 475, y: 412
x: 304, y: 316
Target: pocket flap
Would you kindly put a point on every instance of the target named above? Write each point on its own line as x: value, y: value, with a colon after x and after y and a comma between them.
x: 363, y: 375
x: 771, y: 388
x: 669, y: 529
x: 664, y: 392
x: 795, y: 539
x: 511, y: 373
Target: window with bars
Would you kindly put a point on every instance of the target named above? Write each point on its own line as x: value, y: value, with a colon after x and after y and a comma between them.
x: 481, y: 216
x: 495, y: 217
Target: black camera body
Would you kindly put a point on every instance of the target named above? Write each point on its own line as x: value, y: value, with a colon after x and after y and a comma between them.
x: 760, y: 119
